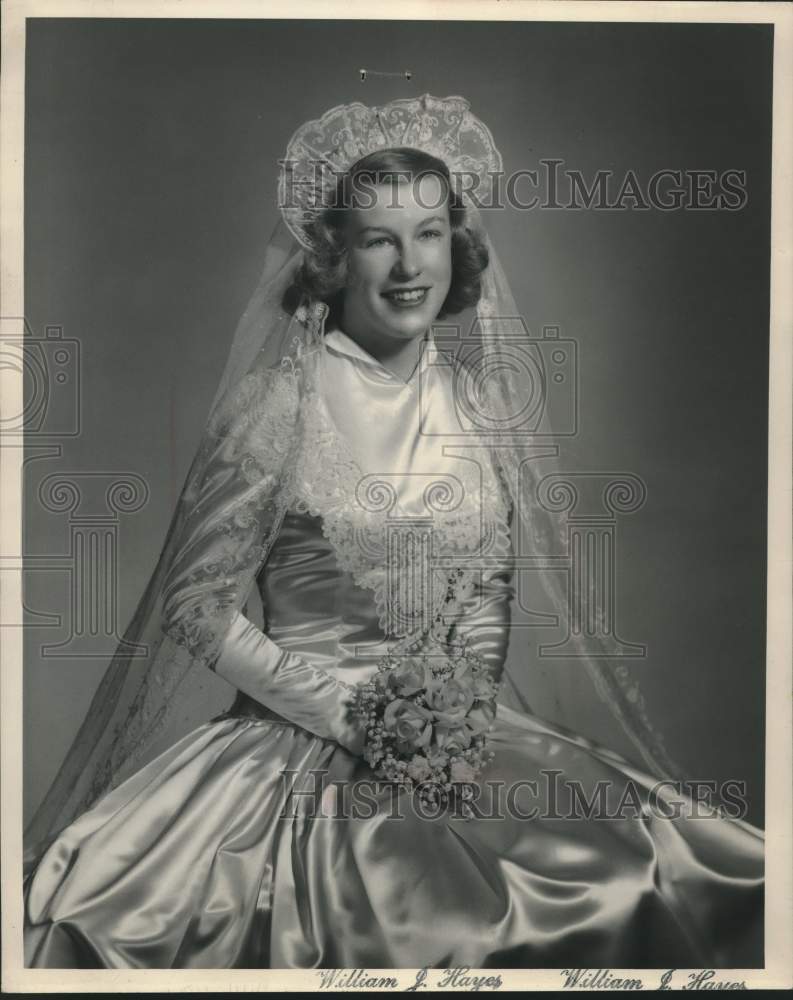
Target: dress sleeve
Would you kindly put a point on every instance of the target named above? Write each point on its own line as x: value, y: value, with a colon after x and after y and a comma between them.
x: 486, y: 611
x: 232, y: 512
x: 287, y: 683
x: 234, y: 519
x: 485, y: 614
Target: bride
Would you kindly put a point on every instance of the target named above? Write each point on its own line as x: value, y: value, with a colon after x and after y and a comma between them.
x: 368, y: 477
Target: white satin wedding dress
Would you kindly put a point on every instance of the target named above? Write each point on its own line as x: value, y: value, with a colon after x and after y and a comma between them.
x: 216, y: 854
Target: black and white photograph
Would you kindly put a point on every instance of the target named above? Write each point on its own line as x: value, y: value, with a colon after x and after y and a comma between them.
x: 395, y: 596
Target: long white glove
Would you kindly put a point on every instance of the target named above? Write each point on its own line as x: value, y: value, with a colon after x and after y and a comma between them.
x: 288, y: 684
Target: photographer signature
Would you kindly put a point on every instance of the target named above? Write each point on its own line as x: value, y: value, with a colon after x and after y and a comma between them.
x: 574, y: 979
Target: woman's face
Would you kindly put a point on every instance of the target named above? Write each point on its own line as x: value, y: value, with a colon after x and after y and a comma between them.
x: 399, y: 261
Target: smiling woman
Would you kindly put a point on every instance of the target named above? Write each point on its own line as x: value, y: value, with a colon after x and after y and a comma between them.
x: 371, y: 486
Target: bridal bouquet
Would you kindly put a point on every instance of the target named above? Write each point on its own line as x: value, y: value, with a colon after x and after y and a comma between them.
x: 427, y: 715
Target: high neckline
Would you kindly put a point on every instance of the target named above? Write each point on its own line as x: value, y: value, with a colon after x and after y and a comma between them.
x: 343, y: 343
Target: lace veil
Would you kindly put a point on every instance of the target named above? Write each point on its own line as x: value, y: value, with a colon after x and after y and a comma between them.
x: 241, y: 482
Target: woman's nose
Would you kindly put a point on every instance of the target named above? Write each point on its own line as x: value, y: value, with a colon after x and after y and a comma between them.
x: 407, y: 265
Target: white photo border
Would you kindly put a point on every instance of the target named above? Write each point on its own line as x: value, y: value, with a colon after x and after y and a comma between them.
x: 778, y: 971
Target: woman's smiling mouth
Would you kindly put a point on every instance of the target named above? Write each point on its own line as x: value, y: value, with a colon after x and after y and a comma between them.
x: 405, y: 297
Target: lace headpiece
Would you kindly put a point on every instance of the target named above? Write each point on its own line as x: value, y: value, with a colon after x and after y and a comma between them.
x: 322, y: 149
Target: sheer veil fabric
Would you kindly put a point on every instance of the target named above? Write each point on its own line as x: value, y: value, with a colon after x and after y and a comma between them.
x: 263, y: 423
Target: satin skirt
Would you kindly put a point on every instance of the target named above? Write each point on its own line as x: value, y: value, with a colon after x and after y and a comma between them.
x: 254, y: 844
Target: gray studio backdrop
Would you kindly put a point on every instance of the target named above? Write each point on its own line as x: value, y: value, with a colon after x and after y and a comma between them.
x: 151, y: 161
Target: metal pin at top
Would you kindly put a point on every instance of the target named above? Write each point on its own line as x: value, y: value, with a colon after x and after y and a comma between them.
x: 405, y: 74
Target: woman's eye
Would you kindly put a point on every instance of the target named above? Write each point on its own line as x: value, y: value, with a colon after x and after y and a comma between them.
x: 378, y: 241
x: 432, y: 233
